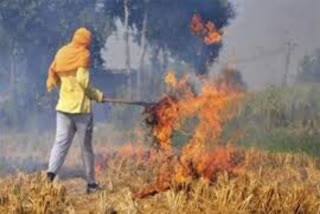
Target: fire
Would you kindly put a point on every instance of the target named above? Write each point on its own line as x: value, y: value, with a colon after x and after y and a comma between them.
x: 201, y: 156
x: 171, y: 80
x: 209, y: 108
x: 208, y: 32
x: 163, y: 118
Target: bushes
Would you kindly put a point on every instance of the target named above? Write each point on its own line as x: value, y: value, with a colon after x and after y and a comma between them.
x: 285, y: 119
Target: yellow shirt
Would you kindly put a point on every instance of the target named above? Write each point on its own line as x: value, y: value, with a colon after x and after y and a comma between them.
x: 75, y: 92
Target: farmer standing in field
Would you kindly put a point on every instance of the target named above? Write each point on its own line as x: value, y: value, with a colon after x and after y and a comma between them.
x: 69, y: 72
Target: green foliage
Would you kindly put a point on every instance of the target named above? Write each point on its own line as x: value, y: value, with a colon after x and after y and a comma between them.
x: 286, y: 119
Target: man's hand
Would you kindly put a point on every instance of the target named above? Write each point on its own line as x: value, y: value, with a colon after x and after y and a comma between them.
x: 104, y: 98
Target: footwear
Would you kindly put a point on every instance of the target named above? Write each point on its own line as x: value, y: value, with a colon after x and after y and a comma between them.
x: 92, y: 188
x: 50, y: 177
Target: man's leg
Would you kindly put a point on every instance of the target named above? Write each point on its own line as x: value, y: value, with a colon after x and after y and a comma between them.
x: 84, y: 126
x: 64, y: 136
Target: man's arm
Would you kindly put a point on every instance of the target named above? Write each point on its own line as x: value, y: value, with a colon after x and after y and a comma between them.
x: 84, y: 81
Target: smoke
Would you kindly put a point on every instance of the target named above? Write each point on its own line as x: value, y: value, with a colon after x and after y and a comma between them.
x: 256, y: 40
x: 29, y: 153
x: 28, y: 165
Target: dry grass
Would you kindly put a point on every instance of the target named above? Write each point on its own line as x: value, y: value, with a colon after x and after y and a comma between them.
x: 31, y: 194
x: 268, y: 183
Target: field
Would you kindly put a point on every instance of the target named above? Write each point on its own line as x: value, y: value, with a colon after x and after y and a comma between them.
x: 276, y: 176
x: 267, y: 183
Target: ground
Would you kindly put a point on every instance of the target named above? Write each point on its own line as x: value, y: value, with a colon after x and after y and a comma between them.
x: 266, y: 182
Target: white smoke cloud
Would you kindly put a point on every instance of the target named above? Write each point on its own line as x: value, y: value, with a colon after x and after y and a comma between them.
x: 256, y: 39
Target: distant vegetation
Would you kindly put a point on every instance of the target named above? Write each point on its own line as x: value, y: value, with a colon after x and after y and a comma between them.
x: 310, y: 68
x: 279, y: 119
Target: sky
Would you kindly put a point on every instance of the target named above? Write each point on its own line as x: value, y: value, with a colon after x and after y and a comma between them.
x: 256, y: 40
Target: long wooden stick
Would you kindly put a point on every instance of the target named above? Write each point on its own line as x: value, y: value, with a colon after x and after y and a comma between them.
x: 127, y: 102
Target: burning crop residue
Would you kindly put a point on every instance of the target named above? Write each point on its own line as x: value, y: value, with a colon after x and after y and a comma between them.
x: 210, y: 108
x: 163, y: 118
x: 202, y: 155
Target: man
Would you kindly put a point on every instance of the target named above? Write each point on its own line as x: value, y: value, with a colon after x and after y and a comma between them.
x: 69, y: 73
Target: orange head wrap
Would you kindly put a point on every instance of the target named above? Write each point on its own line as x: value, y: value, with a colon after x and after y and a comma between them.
x: 70, y: 57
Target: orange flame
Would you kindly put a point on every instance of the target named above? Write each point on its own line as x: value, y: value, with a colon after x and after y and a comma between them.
x: 207, y: 32
x: 201, y: 156
x: 209, y: 107
x: 171, y: 80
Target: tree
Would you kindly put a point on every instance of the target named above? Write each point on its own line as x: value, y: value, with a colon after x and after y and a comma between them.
x: 31, y: 32
x: 168, y: 27
x: 310, y: 68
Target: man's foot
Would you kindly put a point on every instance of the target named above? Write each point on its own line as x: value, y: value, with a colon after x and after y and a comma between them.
x: 50, y: 177
x: 92, y: 188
